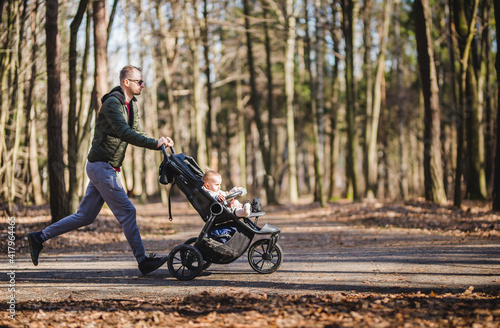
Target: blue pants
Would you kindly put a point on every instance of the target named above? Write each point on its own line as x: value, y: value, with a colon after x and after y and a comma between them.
x: 104, y: 186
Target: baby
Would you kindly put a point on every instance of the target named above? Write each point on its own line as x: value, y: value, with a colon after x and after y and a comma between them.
x: 212, y: 184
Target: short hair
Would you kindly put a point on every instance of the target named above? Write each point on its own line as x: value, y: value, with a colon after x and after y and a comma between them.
x: 126, y: 72
x: 209, y: 175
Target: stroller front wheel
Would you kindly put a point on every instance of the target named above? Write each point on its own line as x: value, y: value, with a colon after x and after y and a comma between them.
x: 191, y: 241
x: 185, y: 262
x: 264, y: 260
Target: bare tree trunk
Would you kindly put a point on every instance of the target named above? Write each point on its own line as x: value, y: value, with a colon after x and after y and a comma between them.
x: 2, y: 4
x: 433, y: 170
x: 451, y: 138
x: 496, y: 181
x: 241, y: 134
x: 309, y: 106
x: 489, y: 140
x: 167, y: 49
x: 348, y: 10
x: 476, y: 177
x: 111, y: 18
x: 72, y: 119
x: 167, y: 43
x: 32, y: 138
x: 210, y: 127
x: 15, y: 93
x: 334, y: 150
x: 58, y: 202
x: 465, y: 29
x: 263, y: 136
x: 84, y: 112
x: 403, y: 147
x: 100, y: 51
x: 5, y: 63
x: 193, y: 31
x: 373, y: 121
x: 139, y: 153
x: 289, y: 92
x: 269, y: 180
x: 316, y: 98
x: 33, y: 161
x: 17, y: 103
x: 368, y: 79
x: 318, y: 109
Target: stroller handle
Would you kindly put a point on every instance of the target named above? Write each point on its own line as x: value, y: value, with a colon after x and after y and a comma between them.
x: 164, y: 150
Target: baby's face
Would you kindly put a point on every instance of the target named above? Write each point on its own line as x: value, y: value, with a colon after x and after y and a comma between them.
x: 213, y: 183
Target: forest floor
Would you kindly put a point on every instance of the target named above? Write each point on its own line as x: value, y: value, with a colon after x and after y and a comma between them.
x: 370, y: 264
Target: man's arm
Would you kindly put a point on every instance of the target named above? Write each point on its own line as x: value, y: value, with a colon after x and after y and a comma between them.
x: 116, y: 121
x: 140, y: 130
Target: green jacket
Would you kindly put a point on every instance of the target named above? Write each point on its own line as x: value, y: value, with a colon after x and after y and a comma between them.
x: 113, y: 131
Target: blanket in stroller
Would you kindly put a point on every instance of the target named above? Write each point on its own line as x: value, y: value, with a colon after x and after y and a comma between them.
x: 222, y: 233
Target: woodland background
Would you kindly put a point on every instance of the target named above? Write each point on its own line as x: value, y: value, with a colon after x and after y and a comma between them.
x: 310, y: 100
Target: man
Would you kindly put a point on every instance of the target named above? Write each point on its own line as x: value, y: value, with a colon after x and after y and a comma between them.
x: 117, y: 125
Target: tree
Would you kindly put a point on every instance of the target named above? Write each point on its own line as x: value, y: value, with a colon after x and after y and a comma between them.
x: 31, y: 142
x: 269, y: 181
x: 167, y: 42
x: 403, y: 152
x: 496, y: 181
x: 433, y: 172
x: 334, y: 138
x: 84, y: 112
x: 58, y: 202
x: 289, y: 92
x: 318, y: 108
x: 476, y: 181
x: 483, y: 87
x: 374, y: 117
x: 100, y: 51
x: 348, y: 14
x: 198, y: 115
x: 369, y: 169
x: 208, y: 75
x: 221, y: 81
x: 72, y: 118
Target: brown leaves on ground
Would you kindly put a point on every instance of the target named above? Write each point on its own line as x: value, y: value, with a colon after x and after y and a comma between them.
x: 467, y: 309
x: 245, y: 310
x: 474, y: 219
x: 105, y: 234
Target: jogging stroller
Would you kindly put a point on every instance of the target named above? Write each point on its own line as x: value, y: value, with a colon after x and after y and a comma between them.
x: 224, y: 237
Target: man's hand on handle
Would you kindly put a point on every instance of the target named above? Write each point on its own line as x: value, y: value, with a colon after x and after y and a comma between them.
x: 165, y: 141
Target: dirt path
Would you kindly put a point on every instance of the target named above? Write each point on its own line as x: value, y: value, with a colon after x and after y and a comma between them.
x: 339, y: 250
x: 324, y: 252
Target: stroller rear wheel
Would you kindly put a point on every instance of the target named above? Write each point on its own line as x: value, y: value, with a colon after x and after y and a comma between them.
x: 185, y: 262
x: 262, y: 259
x: 191, y: 241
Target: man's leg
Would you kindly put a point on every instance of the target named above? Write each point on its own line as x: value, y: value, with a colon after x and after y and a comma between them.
x: 111, y: 190
x: 87, y: 212
x: 107, y: 182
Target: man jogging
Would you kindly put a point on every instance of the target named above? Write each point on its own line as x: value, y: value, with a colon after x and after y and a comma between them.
x: 117, y: 125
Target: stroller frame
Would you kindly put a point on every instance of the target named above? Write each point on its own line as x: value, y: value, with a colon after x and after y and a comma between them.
x: 187, y: 261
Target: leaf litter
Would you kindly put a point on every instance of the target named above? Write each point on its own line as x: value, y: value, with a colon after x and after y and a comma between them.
x: 340, y: 309
x: 468, y: 308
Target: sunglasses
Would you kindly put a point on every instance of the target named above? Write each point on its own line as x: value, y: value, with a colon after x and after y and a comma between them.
x: 140, y: 82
